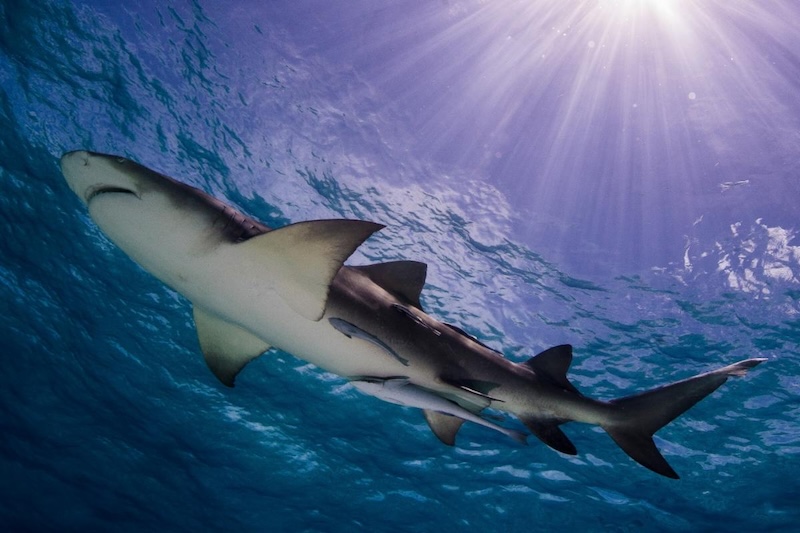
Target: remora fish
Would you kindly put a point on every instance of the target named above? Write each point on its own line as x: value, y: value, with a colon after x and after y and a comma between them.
x: 402, y: 392
x: 253, y: 288
x: 349, y: 330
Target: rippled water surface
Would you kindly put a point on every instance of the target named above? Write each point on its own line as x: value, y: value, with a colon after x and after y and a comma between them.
x: 607, y: 176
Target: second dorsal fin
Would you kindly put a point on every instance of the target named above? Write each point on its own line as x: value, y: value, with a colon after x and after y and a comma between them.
x: 552, y: 364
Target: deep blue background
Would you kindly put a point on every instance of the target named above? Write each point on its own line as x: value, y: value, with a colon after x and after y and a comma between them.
x: 620, y: 175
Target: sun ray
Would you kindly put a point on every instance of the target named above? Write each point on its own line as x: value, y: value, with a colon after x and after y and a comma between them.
x: 599, y: 114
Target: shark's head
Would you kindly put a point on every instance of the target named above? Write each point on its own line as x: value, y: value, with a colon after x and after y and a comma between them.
x: 152, y: 217
x: 91, y: 175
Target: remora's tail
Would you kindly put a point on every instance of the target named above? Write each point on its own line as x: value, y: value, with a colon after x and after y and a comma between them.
x: 638, y: 417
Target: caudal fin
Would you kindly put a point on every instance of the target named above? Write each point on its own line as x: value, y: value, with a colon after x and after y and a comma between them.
x: 638, y: 417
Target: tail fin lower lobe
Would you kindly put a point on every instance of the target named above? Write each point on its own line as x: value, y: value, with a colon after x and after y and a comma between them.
x: 639, y: 416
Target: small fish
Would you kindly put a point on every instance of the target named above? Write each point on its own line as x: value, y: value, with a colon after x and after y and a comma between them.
x: 352, y: 331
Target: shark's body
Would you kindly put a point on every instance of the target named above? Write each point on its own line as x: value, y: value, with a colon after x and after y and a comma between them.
x: 253, y: 288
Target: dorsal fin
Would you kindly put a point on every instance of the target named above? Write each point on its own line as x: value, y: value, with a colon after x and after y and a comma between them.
x: 553, y: 364
x: 404, y: 279
x: 226, y: 346
x: 304, y: 258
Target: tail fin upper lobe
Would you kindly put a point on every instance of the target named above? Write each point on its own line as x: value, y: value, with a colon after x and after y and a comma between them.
x: 641, y: 415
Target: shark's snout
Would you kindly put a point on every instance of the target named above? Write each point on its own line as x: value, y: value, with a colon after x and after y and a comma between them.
x: 72, y: 164
x: 74, y: 157
x: 90, y: 174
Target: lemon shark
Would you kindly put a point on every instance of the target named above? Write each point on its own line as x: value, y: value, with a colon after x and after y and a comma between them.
x: 253, y: 288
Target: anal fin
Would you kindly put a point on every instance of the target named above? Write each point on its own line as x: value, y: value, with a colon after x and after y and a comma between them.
x: 443, y: 426
x: 548, y: 432
x: 226, y: 347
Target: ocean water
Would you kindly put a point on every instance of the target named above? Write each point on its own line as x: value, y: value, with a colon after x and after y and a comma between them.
x: 659, y: 247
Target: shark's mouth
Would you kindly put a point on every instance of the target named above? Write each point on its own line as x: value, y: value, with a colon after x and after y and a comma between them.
x: 99, y: 190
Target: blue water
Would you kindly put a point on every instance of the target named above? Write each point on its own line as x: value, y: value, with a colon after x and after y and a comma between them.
x: 660, y: 239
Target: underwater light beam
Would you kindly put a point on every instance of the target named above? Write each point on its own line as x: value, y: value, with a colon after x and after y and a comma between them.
x: 612, y: 120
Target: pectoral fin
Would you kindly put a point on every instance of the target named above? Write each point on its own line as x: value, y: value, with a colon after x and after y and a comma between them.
x: 302, y: 259
x: 227, y: 347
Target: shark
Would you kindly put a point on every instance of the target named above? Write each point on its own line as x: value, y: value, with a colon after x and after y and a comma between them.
x: 253, y: 288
